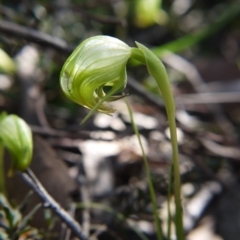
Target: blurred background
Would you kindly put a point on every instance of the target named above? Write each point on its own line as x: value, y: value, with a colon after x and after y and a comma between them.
x: 99, y: 163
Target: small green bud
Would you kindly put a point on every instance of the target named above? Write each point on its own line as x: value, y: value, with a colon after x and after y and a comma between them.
x: 16, y: 136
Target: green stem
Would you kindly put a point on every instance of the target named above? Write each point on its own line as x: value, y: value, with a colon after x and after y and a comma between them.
x: 150, y: 183
x: 176, y: 174
x: 169, y: 201
x: 2, y: 179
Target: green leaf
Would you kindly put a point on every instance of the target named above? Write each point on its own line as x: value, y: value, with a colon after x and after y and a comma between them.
x: 12, y: 215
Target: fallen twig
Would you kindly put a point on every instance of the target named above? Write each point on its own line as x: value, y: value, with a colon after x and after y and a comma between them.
x: 33, y: 35
x: 49, y: 202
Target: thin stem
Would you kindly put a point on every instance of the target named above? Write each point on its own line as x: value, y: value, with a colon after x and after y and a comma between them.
x: 168, y: 202
x: 150, y: 183
x: 176, y: 174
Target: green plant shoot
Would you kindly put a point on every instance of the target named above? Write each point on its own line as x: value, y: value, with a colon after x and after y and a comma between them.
x: 16, y: 137
x: 100, y: 62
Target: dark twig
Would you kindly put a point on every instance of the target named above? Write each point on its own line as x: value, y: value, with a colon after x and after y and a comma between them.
x: 220, y: 150
x: 103, y: 19
x: 95, y: 4
x: 65, y: 231
x: 33, y: 35
x: 209, y: 98
x: 91, y: 16
x: 50, y: 132
x: 37, y: 187
x: 6, y: 11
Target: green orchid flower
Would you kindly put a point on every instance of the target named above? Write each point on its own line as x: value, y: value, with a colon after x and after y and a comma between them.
x: 100, y: 62
x: 97, y: 63
x: 96, y: 71
x: 16, y: 137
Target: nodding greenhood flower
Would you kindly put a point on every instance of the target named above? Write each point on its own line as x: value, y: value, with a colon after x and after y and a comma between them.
x: 96, y: 71
x: 16, y: 137
x: 99, y: 64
